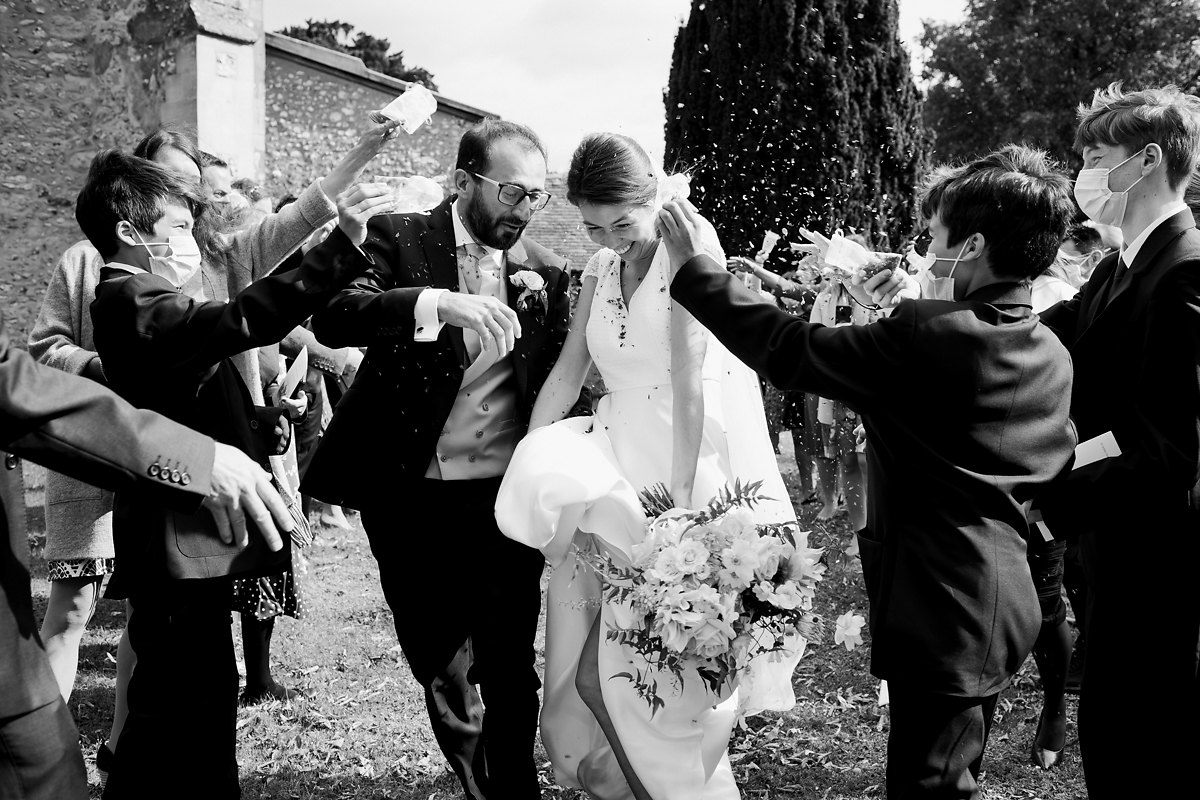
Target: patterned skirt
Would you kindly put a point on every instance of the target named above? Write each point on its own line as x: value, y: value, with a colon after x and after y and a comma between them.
x: 272, y: 595
x: 79, y: 568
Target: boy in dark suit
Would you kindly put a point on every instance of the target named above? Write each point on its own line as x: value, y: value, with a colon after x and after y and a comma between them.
x: 164, y: 351
x: 80, y: 428
x: 1134, y: 336
x: 965, y: 402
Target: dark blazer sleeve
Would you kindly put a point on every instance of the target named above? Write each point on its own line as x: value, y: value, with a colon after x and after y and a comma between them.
x: 79, y: 428
x: 373, y: 307
x: 856, y: 364
x: 1063, y: 316
x: 189, y: 336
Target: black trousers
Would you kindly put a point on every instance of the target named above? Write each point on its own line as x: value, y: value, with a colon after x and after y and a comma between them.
x: 936, y: 743
x: 39, y: 756
x: 466, y: 601
x: 1141, y: 693
x: 179, y: 740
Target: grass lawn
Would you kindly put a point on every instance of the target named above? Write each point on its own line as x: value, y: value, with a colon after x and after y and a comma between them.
x: 362, y: 732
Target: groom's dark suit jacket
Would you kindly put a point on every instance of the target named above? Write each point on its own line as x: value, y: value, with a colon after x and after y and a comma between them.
x: 387, y: 425
x: 965, y: 407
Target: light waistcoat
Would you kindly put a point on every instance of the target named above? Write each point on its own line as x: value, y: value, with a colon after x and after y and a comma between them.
x: 482, y: 430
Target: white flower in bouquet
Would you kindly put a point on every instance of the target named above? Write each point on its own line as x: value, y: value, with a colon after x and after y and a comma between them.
x: 785, y: 595
x: 665, y: 530
x: 666, y: 567
x: 803, y: 563
x: 771, y: 552
x: 692, y: 557
x: 739, y: 562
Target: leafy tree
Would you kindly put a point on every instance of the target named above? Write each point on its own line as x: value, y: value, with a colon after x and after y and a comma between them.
x: 1016, y: 70
x: 796, y: 113
x: 336, y: 35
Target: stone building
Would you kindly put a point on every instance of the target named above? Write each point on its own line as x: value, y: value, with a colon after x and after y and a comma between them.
x: 77, y: 76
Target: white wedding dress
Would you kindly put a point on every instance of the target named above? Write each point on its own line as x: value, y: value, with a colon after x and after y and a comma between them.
x: 576, y: 482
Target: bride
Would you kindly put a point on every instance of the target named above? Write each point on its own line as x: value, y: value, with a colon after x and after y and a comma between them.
x: 680, y: 411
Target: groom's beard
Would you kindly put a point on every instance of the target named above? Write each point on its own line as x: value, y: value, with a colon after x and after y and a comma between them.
x: 493, y: 231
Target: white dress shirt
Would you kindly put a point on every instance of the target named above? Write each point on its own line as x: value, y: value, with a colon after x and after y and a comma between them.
x: 1131, y: 250
x: 428, y: 324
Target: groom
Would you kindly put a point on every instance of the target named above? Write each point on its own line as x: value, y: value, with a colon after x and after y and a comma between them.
x: 463, y: 320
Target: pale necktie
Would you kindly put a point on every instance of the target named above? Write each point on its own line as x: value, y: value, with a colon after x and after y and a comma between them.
x: 478, y: 269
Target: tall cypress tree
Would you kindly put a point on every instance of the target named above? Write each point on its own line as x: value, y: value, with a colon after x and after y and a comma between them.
x: 796, y: 113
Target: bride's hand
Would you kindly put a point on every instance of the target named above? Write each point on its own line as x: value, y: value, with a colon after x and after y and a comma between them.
x: 679, y: 226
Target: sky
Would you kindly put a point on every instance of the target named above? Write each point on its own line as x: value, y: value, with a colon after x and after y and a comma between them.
x: 566, y: 68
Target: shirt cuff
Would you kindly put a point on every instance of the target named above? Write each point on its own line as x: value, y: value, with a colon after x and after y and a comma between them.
x: 428, y: 326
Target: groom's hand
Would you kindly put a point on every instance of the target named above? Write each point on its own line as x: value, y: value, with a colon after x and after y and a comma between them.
x: 679, y: 226
x: 495, y: 323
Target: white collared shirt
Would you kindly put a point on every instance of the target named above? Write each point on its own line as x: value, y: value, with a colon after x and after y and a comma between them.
x: 1129, y: 254
x: 428, y: 325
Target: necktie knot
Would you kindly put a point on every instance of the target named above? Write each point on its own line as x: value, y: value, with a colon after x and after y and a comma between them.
x: 478, y: 267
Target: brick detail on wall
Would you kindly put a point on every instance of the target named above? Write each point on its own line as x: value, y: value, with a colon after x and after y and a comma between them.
x: 558, y: 227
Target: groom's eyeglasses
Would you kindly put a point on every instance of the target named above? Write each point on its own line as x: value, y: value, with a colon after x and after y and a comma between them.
x: 511, y: 194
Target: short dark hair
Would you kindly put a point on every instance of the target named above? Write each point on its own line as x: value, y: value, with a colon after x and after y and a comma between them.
x: 207, y: 159
x: 610, y: 169
x: 168, y: 135
x: 1016, y: 197
x: 124, y: 187
x: 1165, y: 116
x: 1085, y: 238
x: 475, y: 147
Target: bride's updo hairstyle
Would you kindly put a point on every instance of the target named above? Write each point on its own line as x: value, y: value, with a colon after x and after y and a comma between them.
x: 611, y: 169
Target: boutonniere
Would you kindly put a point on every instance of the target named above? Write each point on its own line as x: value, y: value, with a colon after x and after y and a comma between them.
x: 533, y: 291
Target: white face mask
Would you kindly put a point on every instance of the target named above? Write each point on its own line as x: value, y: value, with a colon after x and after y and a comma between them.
x: 181, y: 265
x: 1069, y: 268
x: 1098, y: 201
x: 933, y: 287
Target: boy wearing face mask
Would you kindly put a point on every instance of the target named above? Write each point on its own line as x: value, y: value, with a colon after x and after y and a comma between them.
x: 1134, y: 336
x: 953, y: 610
x: 164, y: 351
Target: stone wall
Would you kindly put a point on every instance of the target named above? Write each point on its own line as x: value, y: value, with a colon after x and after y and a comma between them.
x: 71, y: 82
x: 317, y: 103
x: 559, y: 227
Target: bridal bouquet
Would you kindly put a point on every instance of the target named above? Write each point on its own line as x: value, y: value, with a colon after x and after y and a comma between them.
x: 709, y: 589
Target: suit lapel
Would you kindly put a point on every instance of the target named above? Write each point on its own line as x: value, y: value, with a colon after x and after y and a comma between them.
x: 514, y: 260
x: 441, y: 256
x: 1122, y: 280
